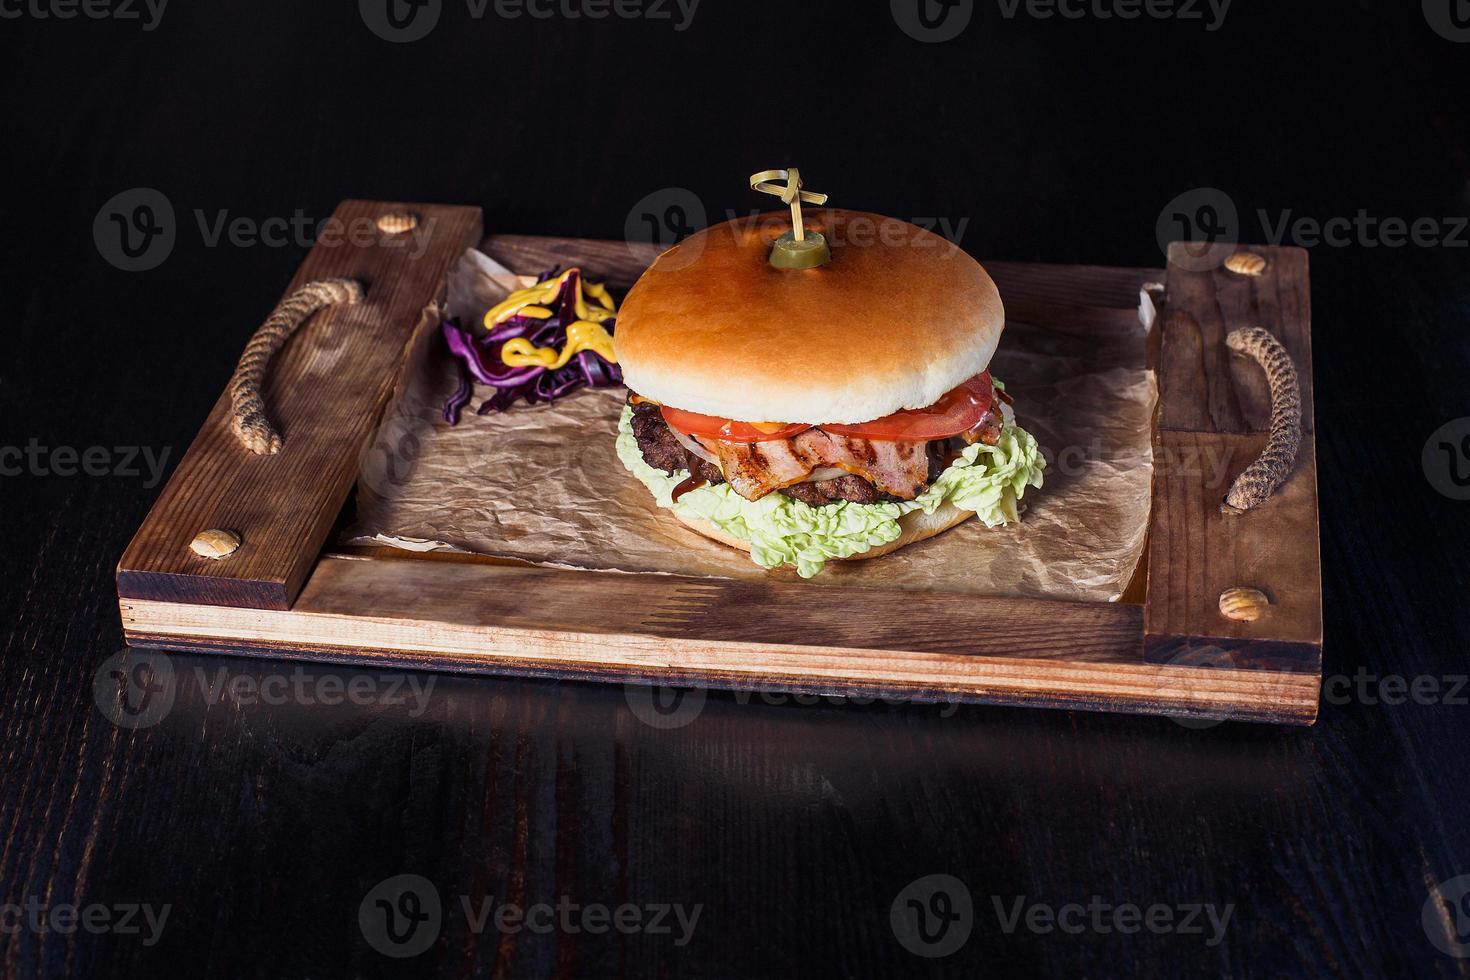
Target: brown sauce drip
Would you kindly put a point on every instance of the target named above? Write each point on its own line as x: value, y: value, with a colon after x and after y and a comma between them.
x: 692, y: 483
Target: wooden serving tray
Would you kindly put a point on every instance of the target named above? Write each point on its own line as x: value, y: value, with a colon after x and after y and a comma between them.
x: 1165, y: 649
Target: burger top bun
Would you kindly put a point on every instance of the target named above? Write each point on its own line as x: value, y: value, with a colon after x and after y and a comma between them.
x: 896, y: 319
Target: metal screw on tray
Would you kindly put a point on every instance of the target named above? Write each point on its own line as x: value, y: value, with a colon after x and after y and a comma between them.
x: 1243, y: 604
x: 796, y: 249
x: 1246, y: 264
x: 215, y: 543
x: 397, y: 222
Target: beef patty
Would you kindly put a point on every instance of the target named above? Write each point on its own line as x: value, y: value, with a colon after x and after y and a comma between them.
x: 663, y: 451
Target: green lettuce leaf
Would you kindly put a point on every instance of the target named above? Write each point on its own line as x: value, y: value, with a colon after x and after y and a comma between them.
x: 988, y: 480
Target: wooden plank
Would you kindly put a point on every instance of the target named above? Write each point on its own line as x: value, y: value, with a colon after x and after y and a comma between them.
x: 720, y: 633
x: 1195, y: 551
x: 324, y: 392
x: 1202, y: 387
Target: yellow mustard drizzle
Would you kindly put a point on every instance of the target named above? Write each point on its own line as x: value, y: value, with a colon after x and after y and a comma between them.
x: 581, y: 335
x: 584, y: 333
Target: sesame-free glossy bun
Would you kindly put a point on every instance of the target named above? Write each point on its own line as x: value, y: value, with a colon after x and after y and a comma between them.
x: 898, y: 317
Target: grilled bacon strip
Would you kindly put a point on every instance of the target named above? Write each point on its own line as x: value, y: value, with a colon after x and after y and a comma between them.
x: 880, y: 468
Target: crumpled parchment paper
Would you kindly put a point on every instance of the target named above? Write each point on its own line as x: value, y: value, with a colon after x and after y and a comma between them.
x: 543, y: 483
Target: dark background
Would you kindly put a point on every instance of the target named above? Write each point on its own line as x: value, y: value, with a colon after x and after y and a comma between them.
x: 794, y: 826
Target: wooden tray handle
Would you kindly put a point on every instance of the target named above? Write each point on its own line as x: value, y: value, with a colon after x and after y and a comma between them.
x: 1270, y: 469
x: 247, y: 406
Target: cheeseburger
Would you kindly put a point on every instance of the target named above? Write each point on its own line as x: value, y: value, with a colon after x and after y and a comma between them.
x: 840, y: 411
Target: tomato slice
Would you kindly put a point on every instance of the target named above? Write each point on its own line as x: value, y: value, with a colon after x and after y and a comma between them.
x: 714, y: 427
x: 956, y: 411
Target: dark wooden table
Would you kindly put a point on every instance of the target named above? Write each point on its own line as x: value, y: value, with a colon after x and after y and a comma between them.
x: 263, y: 817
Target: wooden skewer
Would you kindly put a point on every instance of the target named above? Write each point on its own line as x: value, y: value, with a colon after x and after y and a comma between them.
x: 790, y: 193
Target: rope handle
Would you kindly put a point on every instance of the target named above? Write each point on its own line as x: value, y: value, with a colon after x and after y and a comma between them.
x: 247, y: 415
x: 1269, y: 470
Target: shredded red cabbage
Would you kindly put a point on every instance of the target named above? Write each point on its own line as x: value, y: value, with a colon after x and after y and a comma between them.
x: 461, y: 396
x: 479, y: 359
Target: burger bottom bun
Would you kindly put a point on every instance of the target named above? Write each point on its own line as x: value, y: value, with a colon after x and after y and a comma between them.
x: 917, y: 526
